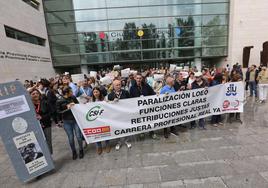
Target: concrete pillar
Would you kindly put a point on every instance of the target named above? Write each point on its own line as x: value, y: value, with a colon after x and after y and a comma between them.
x: 84, y: 69
x: 198, y: 63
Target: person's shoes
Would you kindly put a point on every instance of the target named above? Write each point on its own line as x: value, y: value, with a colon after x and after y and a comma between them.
x: 174, y: 132
x: 128, y: 144
x: 155, y: 137
x: 81, y: 154
x: 74, y: 155
x: 192, y: 127
x: 166, y: 133
x: 202, y: 128
x: 215, y: 125
x: 99, y: 151
x: 239, y: 120
x: 220, y: 123
x: 108, y: 149
x: 117, y: 147
x: 142, y: 136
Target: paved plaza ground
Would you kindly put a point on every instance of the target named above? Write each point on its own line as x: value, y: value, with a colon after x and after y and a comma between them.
x: 233, y: 155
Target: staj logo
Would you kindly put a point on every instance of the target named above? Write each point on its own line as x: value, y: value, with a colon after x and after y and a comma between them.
x: 231, y: 90
x: 94, y: 113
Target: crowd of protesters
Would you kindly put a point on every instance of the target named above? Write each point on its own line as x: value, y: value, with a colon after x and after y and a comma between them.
x: 53, y: 98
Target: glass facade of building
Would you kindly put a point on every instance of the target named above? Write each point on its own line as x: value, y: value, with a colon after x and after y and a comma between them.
x: 97, y: 32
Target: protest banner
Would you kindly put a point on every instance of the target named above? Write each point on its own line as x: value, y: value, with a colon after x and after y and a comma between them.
x: 104, y: 121
x: 22, y: 134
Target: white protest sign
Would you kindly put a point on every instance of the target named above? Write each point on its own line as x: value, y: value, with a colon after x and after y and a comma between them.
x: 159, y: 77
x: 105, y: 121
x: 106, y: 80
x: 93, y: 74
x: 178, y: 68
x: 172, y: 67
x: 116, y: 67
x: 184, y: 74
x: 77, y: 78
x: 125, y: 73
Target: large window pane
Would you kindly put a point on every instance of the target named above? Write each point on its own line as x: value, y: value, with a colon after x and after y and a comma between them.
x: 86, y: 4
x: 219, y: 8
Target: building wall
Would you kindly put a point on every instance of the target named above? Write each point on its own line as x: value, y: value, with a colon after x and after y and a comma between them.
x: 248, y: 27
x: 35, y: 60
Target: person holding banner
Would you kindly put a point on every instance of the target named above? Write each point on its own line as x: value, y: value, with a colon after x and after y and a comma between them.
x: 169, y: 88
x: 97, y: 95
x: 235, y: 77
x: 115, y: 95
x: 43, y: 115
x: 138, y: 89
x: 64, y: 106
x: 199, y: 82
x: 218, y: 78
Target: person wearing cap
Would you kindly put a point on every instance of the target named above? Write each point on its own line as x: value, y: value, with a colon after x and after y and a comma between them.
x: 169, y: 88
x: 263, y: 84
x: 199, y: 82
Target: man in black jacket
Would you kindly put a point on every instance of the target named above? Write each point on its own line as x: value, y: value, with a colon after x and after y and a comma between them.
x: 138, y: 89
x: 199, y: 82
x: 115, y: 95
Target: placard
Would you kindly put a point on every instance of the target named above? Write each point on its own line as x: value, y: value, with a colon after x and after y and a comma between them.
x: 22, y: 134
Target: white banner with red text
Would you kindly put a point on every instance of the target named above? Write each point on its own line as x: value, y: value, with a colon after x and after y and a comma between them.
x: 101, y: 121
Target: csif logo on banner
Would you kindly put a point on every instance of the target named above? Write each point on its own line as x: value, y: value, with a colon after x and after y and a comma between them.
x: 231, y: 90
x: 94, y: 113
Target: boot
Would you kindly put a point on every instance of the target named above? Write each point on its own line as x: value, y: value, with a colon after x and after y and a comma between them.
x: 74, y: 155
x: 81, y: 154
x: 166, y: 133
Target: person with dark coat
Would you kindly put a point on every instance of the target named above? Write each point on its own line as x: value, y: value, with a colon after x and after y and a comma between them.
x: 138, y: 89
x: 70, y: 125
x: 43, y: 115
x: 216, y: 119
x: 199, y: 82
x: 118, y: 94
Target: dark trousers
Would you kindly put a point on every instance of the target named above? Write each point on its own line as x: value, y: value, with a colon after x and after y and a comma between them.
x: 201, y: 123
x: 48, y: 136
x: 215, y: 119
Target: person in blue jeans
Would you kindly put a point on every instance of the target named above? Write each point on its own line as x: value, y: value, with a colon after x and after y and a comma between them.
x: 197, y: 84
x: 253, y: 75
x: 70, y: 125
